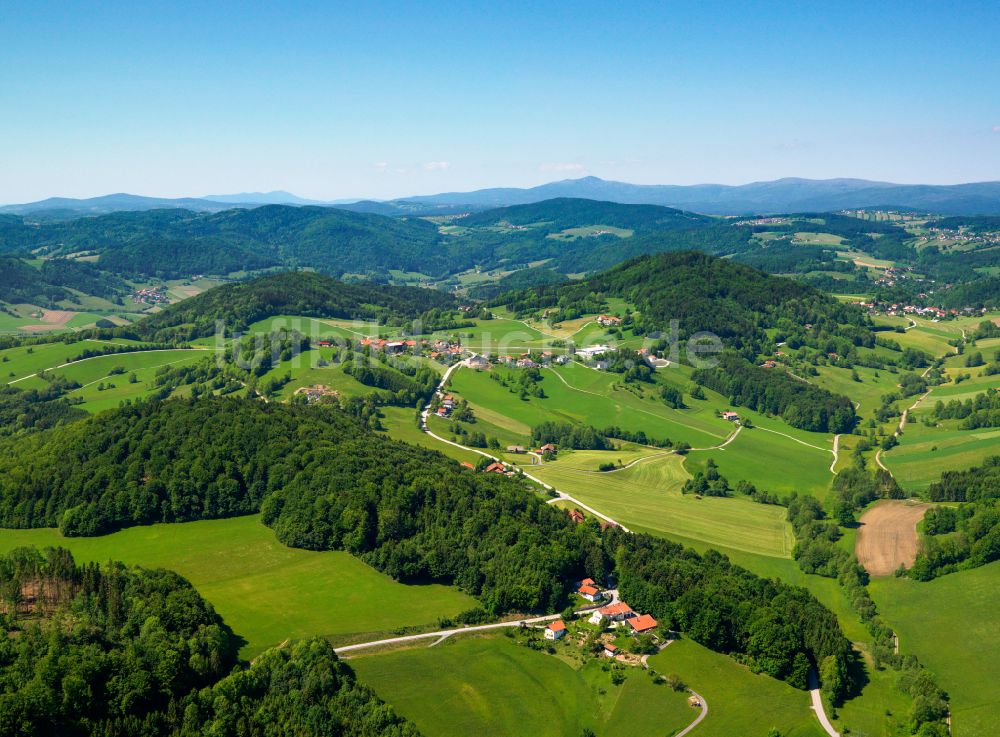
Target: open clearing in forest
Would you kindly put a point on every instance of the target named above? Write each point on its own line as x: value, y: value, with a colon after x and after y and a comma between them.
x: 266, y: 591
x: 646, y: 497
x: 490, y: 686
x: 887, y: 536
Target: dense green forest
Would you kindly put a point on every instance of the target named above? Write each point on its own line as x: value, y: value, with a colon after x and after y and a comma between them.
x: 303, y: 293
x: 800, y: 404
x: 176, y: 243
x: 701, y: 293
x: 323, y: 481
x: 967, y: 536
x: 110, y: 651
x: 100, y: 650
x: 562, y: 213
x: 173, y: 243
x: 23, y: 411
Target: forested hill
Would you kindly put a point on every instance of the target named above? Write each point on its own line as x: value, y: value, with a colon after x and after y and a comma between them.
x: 567, y: 212
x: 303, y: 293
x: 110, y: 651
x: 178, y: 243
x: 702, y: 293
x: 325, y: 482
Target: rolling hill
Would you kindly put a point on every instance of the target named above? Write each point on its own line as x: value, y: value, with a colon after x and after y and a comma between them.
x: 299, y: 293
x: 778, y: 196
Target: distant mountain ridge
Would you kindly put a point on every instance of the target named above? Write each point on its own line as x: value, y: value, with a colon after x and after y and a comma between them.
x: 771, y: 197
x: 778, y: 196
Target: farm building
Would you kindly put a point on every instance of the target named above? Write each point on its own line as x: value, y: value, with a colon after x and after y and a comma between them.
x: 608, y: 320
x: 610, y: 649
x: 576, y: 515
x: 642, y: 623
x: 515, y: 449
x: 555, y: 630
x: 614, y: 612
x: 731, y: 416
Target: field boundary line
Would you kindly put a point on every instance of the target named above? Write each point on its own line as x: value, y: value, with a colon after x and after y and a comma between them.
x: 107, y: 355
x: 636, y: 409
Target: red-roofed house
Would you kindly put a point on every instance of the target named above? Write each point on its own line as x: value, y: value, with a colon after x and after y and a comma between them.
x: 614, y: 612
x: 466, y: 464
x: 590, y: 593
x: 610, y: 649
x: 555, y: 630
x: 642, y: 623
x: 588, y: 582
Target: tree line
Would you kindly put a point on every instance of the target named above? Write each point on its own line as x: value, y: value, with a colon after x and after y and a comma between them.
x: 325, y: 482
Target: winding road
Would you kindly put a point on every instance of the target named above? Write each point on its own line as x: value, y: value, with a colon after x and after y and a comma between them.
x: 814, y: 693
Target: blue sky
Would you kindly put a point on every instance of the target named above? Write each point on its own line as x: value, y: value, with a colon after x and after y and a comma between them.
x: 333, y: 100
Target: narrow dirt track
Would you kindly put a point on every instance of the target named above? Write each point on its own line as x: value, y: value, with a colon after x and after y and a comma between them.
x: 887, y: 536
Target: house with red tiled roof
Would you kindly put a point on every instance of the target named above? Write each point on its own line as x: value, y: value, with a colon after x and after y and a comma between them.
x: 610, y: 649
x: 495, y: 467
x: 555, y: 630
x: 576, y: 515
x: 614, y: 612
x: 642, y: 623
x: 590, y: 593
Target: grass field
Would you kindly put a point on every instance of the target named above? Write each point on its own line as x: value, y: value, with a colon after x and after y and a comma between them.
x: 647, y: 497
x: 739, y: 702
x: 265, y: 591
x: 494, y: 687
x: 951, y: 625
x: 577, y: 394
x: 775, y: 457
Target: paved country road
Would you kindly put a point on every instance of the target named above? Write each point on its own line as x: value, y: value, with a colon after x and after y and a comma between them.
x: 815, y: 695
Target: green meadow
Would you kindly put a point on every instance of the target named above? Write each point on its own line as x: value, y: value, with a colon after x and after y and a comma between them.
x: 647, y: 497
x: 739, y: 702
x: 577, y: 394
x: 493, y: 687
x: 265, y: 591
x: 950, y: 623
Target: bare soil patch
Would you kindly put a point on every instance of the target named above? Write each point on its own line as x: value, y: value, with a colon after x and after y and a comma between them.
x: 887, y: 536
x: 51, y: 320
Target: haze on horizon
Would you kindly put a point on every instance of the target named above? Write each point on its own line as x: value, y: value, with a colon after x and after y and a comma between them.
x: 393, y: 100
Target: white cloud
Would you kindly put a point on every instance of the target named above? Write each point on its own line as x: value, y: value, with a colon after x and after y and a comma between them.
x: 436, y: 165
x: 381, y: 165
x: 996, y: 129
x: 561, y: 167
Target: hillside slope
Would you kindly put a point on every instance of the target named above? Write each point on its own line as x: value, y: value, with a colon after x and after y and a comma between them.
x: 299, y: 293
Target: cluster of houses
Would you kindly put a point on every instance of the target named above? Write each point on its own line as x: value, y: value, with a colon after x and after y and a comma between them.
x: 436, y: 348
x: 494, y: 467
x: 618, y: 614
x: 149, y: 297
x: 897, y: 309
x: 547, y: 448
x: 609, y: 321
x: 447, y: 405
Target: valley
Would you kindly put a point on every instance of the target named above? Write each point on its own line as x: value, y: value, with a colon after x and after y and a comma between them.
x: 709, y: 458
